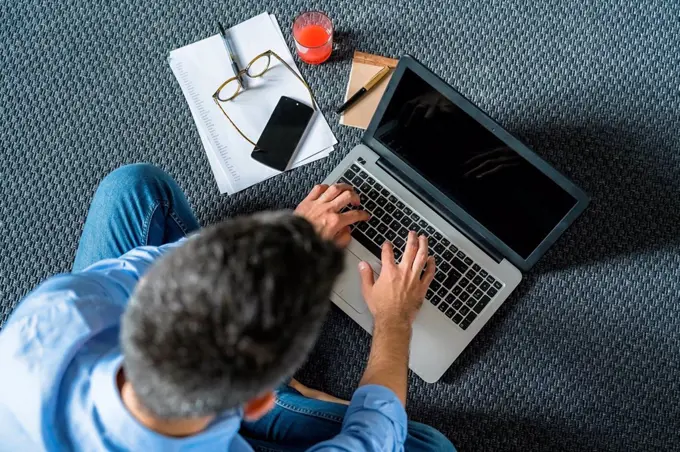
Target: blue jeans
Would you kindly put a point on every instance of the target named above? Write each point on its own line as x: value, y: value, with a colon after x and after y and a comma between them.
x: 135, y: 205
x: 296, y: 423
x: 140, y: 205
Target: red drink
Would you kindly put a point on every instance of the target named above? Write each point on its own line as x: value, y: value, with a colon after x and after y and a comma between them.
x: 313, y: 33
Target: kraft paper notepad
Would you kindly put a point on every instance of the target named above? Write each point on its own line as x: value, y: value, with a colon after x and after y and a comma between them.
x: 365, y: 66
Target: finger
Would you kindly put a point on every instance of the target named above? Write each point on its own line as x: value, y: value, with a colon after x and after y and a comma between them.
x: 356, y: 199
x: 351, y: 217
x: 496, y: 169
x: 333, y: 192
x: 421, y: 256
x: 344, y: 198
x: 497, y: 151
x: 367, y: 278
x: 431, y: 110
x: 405, y: 112
x: 430, y: 269
x: 317, y: 191
x: 343, y: 238
x: 416, y: 113
x: 488, y: 164
x: 410, y: 250
x: 387, y: 255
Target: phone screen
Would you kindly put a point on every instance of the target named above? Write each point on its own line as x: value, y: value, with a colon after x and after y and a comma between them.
x: 282, y: 134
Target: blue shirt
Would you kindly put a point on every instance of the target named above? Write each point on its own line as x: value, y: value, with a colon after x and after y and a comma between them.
x: 59, y: 356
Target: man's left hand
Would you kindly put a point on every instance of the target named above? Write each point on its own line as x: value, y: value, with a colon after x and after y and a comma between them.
x: 322, y: 206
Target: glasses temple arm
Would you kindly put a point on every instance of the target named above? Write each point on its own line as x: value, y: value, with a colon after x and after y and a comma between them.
x: 232, y: 123
x: 311, y: 96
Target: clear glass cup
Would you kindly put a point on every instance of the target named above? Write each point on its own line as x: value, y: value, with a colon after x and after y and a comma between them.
x: 313, y: 34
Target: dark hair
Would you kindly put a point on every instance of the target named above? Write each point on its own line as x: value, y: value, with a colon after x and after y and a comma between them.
x: 227, y: 315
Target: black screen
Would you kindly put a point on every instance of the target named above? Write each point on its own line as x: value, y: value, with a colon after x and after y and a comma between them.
x: 494, y: 184
x: 282, y: 134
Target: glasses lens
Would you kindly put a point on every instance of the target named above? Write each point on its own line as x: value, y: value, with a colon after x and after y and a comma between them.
x: 259, y: 66
x: 228, y: 91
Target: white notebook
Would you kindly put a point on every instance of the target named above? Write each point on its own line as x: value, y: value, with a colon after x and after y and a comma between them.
x: 202, y: 66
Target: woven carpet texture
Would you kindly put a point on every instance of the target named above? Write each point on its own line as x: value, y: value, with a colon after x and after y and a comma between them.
x: 583, y: 356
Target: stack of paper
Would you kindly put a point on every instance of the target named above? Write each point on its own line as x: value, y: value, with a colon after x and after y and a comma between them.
x: 201, y: 67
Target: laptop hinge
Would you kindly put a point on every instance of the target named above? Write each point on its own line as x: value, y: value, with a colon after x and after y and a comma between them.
x: 466, y: 230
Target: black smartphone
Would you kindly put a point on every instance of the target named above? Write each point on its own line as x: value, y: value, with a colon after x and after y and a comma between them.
x: 282, y: 134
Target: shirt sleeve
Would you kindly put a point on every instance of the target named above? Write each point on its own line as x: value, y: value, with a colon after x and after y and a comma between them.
x: 49, y: 327
x: 109, y: 281
x: 375, y: 421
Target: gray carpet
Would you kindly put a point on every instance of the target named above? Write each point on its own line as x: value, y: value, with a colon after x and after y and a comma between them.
x: 584, y: 356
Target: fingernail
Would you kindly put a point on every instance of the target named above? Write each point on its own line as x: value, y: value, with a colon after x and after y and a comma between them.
x: 362, y: 265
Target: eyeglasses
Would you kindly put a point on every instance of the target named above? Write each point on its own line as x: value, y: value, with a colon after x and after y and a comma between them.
x: 257, y: 67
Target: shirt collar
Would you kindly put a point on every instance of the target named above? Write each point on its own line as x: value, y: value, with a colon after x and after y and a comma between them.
x: 121, y: 428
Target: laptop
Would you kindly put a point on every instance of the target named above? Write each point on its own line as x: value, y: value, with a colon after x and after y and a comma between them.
x: 432, y: 162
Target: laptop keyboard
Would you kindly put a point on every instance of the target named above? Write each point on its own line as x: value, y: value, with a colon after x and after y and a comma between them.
x: 461, y: 288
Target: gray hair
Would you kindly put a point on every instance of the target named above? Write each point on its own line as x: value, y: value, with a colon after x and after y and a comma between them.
x: 227, y: 315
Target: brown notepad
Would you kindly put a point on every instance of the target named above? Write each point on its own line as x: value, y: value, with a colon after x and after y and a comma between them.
x: 365, y: 66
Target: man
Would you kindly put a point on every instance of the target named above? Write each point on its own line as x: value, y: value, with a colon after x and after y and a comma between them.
x: 161, y: 342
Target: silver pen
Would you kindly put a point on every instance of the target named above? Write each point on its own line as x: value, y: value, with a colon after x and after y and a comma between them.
x: 232, y: 54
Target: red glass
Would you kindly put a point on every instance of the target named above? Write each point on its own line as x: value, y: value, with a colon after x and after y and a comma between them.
x: 313, y: 33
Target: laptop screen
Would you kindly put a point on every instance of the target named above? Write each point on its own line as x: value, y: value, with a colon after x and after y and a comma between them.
x: 500, y: 189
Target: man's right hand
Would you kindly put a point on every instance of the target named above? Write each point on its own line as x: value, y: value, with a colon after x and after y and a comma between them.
x: 398, y: 293
x: 322, y: 206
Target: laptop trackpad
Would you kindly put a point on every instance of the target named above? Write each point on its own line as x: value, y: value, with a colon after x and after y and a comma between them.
x: 348, y: 286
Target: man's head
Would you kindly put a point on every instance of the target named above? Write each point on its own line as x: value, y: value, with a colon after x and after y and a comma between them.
x: 228, y: 315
